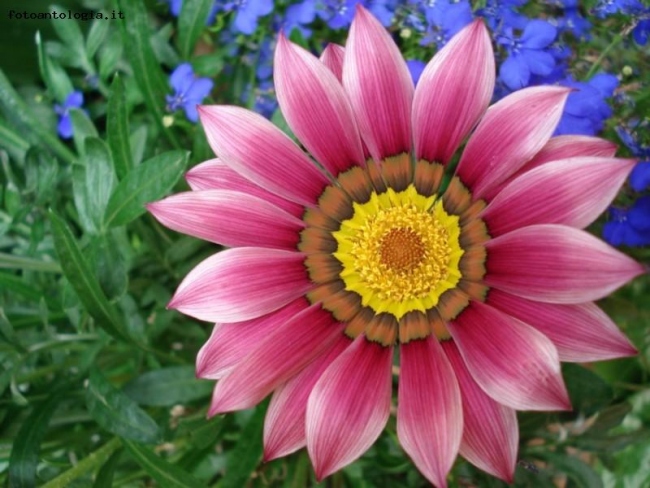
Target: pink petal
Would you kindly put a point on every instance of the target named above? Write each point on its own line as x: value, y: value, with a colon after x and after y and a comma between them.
x: 215, y: 175
x: 572, y: 192
x: 556, y: 264
x: 491, y: 434
x: 452, y: 94
x: 228, y: 218
x: 569, y: 146
x: 379, y: 85
x: 253, y: 147
x: 284, y: 426
x: 581, y: 333
x: 512, y: 362
x: 349, y: 406
x: 332, y: 57
x: 241, y: 284
x: 316, y: 108
x: 230, y: 343
x: 285, y: 352
x: 512, y: 131
x: 429, y: 413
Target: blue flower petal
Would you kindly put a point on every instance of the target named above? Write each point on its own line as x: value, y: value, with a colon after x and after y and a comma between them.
x: 416, y: 67
x: 74, y: 100
x: 64, y: 127
x: 538, y: 34
x: 640, y: 176
x: 539, y: 62
x: 191, y: 112
x: 182, y: 78
x: 514, y: 72
x: 639, y: 214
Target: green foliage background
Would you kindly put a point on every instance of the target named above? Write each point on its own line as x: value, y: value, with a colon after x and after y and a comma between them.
x: 97, y: 384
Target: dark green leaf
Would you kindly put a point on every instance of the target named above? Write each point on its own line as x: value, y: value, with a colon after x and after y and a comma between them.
x: 12, y: 142
x: 69, y: 32
x: 168, y: 386
x: 110, y: 54
x: 25, y: 452
x: 79, y: 274
x: 117, y: 129
x: 147, y: 182
x: 109, y: 263
x: 136, y: 35
x: 588, y: 391
x: 93, y: 183
x: 41, y: 172
x: 83, y: 127
x: 55, y: 77
x: 202, y: 433
x: 166, y: 474
x: 117, y: 413
x: 581, y: 473
x: 23, y: 118
x: 96, y: 35
x: 191, y: 22
x: 138, y: 141
x: 104, y: 478
x: 611, y: 417
x: 246, y: 455
x: 19, y: 286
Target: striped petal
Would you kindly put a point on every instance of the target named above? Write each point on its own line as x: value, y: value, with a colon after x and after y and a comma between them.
x: 230, y: 343
x: 316, y: 108
x: 349, y: 406
x: 379, y: 85
x: 556, y: 264
x: 429, y: 413
x: 453, y: 92
x: 284, y: 426
x: 284, y: 353
x: 581, y: 333
x: 512, y: 362
x: 216, y: 175
x: 512, y: 131
x: 228, y: 218
x: 332, y: 57
x: 253, y: 147
x: 241, y: 284
x: 490, y: 434
x: 572, y: 192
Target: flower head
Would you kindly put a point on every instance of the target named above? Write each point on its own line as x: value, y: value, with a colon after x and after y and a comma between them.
x: 482, y: 279
x: 189, y: 91
x: 64, y: 127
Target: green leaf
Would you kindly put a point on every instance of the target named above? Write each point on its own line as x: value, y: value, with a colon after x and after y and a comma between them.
x: 147, y: 182
x: 41, y: 173
x: 246, y: 455
x: 117, y: 128
x: 109, y: 263
x: 104, y: 478
x: 191, y: 22
x: 117, y: 413
x: 83, y: 127
x: 54, y: 76
x: 588, y: 391
x: 25, y: 452
x: 79, y: 274
x: 20, y: 286
x: 581, y: 473
x: 93, y: 184
x: 136, y: 36
x: 96, y: 35
x: 138, y: 141
x: 69, y: 32
x: 166, y: 474
x: 110, y: 54
x: 11, y: 261
x: 24, y: 120
x: 168, y: 386
x: 12, y: 142
x: 202, y: 433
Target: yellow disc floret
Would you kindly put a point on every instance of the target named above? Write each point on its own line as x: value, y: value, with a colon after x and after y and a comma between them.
x: 399, y: 251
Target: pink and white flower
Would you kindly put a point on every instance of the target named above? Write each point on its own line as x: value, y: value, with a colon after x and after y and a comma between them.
x: 482, y: 277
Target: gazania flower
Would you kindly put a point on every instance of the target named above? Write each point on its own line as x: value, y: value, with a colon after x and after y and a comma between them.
x: 369, y: 247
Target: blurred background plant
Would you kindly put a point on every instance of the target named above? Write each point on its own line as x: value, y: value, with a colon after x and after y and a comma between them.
x: 97, y: 118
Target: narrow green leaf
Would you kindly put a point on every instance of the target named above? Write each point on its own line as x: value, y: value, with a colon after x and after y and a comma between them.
x: 68, y: 31
x: 19, y: 111
x: 117, y: 413
x: 581, y: 473
x: 25, y: 452
x: 166, y: 474
x: 104, y: 478
x: 96, y: 35
x: 110, y: 53
x: 147, y: 182
x: 11, y: 261
x: 78, y: 272
x: 138, y: 140
x: 82, y: 127
x: 191, y: 22
x: 54, y: 76
x: 109, y: 264
x: 117, y: 128
x: 588, y: 391
x: 168, y: 386
x: 93, y: 184
x: 246, y: 455
x: 19, y: 286
x: 12, y: 142
x: 136, y: 35
x: 41, y: 173
x: 87, y: 464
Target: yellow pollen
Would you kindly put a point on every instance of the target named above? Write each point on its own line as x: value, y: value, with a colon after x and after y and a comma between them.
x: 399, y: 251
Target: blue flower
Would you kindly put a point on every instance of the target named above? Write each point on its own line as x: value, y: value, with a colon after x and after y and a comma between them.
x: 175, y: 7
x: 248, y: 13
x: 642, y: 30
x: 298, y: 16
x: 189, y: 91
x: 64, y: 127
x: 416, y: 67
x: 586, y: 108
x: 265, y: 101
x: 640, y: 176
x: 502, y: 14
x: 527, y: 54
x: 629, y: 227
x: 444, y: 19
